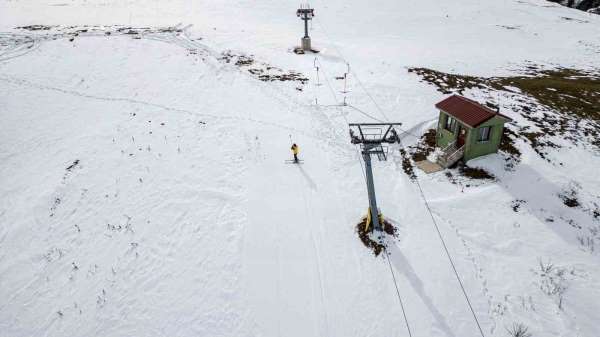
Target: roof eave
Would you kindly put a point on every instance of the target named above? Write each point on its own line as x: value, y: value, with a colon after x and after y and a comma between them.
x: 458, y: 119
x: 508, y: 119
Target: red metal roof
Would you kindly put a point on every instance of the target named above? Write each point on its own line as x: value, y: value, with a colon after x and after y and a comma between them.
x: 467, y: 111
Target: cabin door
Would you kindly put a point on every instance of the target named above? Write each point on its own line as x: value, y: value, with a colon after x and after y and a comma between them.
x: 462, y: 134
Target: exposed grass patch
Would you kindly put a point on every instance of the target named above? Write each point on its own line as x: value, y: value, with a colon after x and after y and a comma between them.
x: 516, y: 204
x: 373, y: 240
x: 507, y: 146
x: 559, y: 102
x: 570, y: 199
x: 571, y: 91
x: 450, y: 177
x: 475, y: 173
x: 450, y: 83
x: 570, y: 195
x: 35, y: 27
x: 261, y: 70
x: 291, y: 76
x: 407, y: 165
x: 425, y: 146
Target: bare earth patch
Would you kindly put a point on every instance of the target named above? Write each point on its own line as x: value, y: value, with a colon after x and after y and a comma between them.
x: 425, y: 146
x: 261, y: 70
x: 372, y: 240
x: 475, y: 173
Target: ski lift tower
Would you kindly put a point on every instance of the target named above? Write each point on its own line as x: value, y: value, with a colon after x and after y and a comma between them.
x: 305, y: 13
x: 371, y: 137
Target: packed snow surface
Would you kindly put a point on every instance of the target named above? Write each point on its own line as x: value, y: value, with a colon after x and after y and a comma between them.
x: 144, y: 189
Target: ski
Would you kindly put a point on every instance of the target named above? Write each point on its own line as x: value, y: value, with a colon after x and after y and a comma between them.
x: 294, y: 162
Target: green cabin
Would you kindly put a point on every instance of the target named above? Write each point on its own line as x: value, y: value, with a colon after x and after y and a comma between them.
x: 467, y: 130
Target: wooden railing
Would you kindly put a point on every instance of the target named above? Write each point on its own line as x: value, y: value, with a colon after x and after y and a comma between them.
x: 456, y: 155
x: 451, y: 155
x: 449, y: 147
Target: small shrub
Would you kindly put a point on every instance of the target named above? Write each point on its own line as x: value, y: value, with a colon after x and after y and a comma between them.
x: 570, y: 196
x: 516, y: 204
x: 553, y: 281
x: 518, y: 330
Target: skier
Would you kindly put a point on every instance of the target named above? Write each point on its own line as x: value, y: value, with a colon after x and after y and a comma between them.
x: 295, y: 151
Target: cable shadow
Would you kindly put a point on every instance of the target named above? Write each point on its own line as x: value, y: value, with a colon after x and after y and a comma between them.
x: 309, y: 180
x: 402, y: 265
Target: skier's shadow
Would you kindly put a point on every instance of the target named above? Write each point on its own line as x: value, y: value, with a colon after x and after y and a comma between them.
x: 402, y: 265
x: 309, y: 180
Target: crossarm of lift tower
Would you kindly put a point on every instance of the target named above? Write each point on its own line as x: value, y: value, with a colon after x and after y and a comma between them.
x: 305, y: 12
x: 373, y: 133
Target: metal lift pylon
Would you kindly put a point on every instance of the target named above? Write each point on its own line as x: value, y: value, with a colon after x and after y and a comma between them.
x: 371, y: 137
x: 305, y: 13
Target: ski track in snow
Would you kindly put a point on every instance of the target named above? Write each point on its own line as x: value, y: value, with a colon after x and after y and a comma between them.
x: 180, y: 221
x: 22, y: 82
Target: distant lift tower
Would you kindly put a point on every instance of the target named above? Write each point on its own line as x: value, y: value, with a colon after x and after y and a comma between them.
x: 305, y: 13
x: 371, y: 136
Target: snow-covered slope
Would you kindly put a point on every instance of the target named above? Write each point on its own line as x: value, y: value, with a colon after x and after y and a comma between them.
x: 143, y: 189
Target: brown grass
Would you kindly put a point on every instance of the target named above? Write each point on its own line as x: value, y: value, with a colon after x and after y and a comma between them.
x: 475, y: 173
x: 425, y: 146
x: 559, y: 102
x: 571, y: 91
x: 365, y: 236
x: 407, y: 165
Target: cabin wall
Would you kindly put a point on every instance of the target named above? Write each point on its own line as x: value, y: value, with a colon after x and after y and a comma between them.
x: 444, y: 137
x: 475, y: 148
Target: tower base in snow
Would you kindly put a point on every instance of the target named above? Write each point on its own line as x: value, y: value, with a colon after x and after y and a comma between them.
x: 305, y: 43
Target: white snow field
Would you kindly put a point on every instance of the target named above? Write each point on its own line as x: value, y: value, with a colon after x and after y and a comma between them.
x: 143, y: 189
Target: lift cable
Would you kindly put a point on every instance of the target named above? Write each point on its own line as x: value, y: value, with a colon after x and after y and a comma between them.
x: 426, y: 205
x: 379, y: 120
x: 345, y: 118
x: 397, y: 291
x: 449, y: 256
x: 365, y: 177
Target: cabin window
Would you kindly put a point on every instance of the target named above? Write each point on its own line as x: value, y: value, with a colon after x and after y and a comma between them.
x: 484, y: 133
x: 450, y: 123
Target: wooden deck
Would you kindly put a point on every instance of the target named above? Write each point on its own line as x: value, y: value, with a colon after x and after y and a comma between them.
x: 428, y: 167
